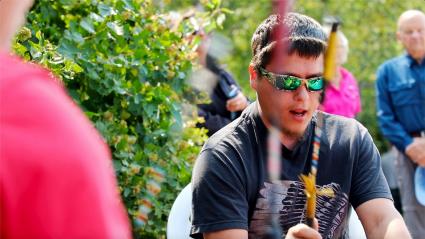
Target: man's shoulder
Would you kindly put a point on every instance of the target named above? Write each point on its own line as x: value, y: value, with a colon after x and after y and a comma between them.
x: 394, y: 62
x: 342, y: 126
x: 231, y: 134
x: 340, y: 120
x: 237, y: 134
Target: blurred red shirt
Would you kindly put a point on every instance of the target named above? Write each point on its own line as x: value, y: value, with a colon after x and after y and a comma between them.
x: 56, y: 174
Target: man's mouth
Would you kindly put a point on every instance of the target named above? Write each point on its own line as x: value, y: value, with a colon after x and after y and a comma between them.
x: 298, y: 112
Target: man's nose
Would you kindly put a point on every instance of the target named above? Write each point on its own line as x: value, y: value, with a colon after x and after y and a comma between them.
x: 416, y: 34
x: 301, y: 93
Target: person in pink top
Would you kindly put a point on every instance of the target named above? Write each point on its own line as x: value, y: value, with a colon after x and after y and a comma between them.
x: 56, y: 173
x: 341, y: 96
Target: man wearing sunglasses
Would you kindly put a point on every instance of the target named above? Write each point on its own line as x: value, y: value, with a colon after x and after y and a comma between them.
x: 232, y: 196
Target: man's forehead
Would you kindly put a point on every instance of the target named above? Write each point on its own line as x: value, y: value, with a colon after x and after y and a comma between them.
x: 300, y: 66
x: 410, y: 15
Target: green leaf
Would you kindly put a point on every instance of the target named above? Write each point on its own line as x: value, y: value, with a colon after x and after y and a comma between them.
x: 216, y: 2
x: 126, y: 192
x: 92, y: 74
x: 96, y: 17
x: 117, y: 165
x: 121, y: 145
x: 105, y: 10
x: 19, y: 48
x: 116, y: 28
x: 38, y: 35
x: 177, y: 117
x: 87, y: 25
x: 101, y: 126
x: 73, y: 66
x: 35, y: 50
x: 227, y: 11
x: 77, y: 37
x: 220, y: 19
x: 68, y: 49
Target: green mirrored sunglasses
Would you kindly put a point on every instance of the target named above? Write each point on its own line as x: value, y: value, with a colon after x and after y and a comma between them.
x: 291, y: 83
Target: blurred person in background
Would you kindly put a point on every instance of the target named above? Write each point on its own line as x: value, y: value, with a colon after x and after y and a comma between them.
x: 341, y: 95
x: 400, y: 88
x: 227, y: 99
x: 56, y: 173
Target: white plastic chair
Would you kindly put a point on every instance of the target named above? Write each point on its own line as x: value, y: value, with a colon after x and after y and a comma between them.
x: 179, y: 220
x: 355, y: 227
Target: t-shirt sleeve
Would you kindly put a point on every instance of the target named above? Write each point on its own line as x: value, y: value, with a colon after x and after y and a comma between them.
x: 219, y: 197
x: 368, y: 181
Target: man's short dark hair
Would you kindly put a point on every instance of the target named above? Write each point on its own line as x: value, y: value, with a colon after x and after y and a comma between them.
x: 304, y: 37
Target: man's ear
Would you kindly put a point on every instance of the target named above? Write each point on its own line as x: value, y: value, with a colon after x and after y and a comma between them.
x: 253, y: 77
x: 398, y: 35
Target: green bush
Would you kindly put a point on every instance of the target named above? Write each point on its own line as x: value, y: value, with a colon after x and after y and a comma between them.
x: 127, y: 70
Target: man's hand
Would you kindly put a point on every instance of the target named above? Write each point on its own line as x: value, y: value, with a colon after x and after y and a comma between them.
x: 416, y: 151
x: 302, y: 231
x: 238, y: 103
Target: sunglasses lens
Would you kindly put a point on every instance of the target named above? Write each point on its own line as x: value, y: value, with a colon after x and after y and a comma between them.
x: 290, y: 83
x: 280, y: 83
x: 315, y: 84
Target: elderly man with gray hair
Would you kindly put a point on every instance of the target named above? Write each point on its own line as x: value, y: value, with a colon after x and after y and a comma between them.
x: 400, y: 98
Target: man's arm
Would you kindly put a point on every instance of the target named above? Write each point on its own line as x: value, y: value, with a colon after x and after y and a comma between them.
x: 219, y: 201
x: 380, y: 219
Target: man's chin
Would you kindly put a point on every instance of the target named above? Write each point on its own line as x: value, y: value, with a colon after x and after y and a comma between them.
x: 291, y: 133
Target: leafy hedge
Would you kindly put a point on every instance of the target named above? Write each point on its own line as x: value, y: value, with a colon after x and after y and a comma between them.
x: 123, y: 65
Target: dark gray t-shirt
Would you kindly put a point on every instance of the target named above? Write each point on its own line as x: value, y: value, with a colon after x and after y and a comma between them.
x: 231, y: 190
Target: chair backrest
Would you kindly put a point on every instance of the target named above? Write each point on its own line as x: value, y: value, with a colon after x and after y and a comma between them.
x: 355, y: 227
x: 179, y: 220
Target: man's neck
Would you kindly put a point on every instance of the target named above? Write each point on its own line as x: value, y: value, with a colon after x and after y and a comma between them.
x: 418, y: 58
x: 287, y: 140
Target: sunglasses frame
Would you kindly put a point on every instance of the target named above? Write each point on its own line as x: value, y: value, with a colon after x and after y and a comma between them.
x: 272, y: 78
